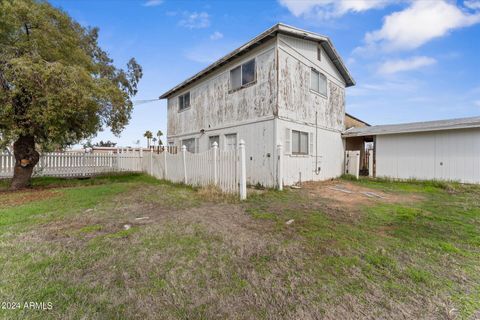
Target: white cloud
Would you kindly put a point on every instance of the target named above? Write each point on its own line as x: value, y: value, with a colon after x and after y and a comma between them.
x: 399, y: 65
x: 195, y: 20
x: 326, y: 9
x: 153, y: 3
x: 419, y: 23
x: 472, y: 4
x: 216, y: 35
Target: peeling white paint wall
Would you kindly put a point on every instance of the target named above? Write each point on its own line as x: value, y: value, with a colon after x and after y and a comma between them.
x: 213, y: 105
x: 299, y: 108
x: 260, y: 113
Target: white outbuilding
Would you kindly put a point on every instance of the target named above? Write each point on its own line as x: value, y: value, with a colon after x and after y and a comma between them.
x: 446, y: 150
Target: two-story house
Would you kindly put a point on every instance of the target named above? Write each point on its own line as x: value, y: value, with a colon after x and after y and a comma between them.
x: 286, y: 86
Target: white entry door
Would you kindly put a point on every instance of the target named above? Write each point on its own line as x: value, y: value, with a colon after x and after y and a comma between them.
x: 231, y: 141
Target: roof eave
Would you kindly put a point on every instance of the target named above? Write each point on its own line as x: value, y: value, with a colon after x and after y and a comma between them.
x: 348, y: 134
x: 263, y: 37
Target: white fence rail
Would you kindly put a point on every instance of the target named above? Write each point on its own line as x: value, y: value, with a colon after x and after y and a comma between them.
x: 76, y: 164
x: 222, y: 168
x: 213, y: 167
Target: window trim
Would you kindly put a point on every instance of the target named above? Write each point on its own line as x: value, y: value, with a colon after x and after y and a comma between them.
x: 180, y: 109
x: 300, y: 143
x: 242, y: 86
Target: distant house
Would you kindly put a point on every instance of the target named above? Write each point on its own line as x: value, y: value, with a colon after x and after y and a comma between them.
x: 286, y: 86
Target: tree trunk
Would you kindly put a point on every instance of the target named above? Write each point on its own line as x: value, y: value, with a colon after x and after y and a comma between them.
x: 26, y: 157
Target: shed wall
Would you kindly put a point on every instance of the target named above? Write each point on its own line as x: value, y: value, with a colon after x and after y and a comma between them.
x: 440, y: 155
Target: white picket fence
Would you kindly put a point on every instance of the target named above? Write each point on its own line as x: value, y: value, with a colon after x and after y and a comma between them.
x: 222, y: 168
x: 214, y: 167
x: 78, y: 164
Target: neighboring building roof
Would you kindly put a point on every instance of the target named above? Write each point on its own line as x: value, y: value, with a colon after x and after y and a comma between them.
x: 281, y: 28
x: 462, y: 123
x: 355, y: 118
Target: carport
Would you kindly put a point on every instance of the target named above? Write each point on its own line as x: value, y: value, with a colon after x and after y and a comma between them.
x: 433, y: 150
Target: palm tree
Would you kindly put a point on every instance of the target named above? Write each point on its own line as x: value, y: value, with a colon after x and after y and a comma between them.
x: 159, y: 135
x: 148, y: 134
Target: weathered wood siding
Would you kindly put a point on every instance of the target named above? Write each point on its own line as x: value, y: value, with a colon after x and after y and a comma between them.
x: 213, y: 105
x: 296, y: 101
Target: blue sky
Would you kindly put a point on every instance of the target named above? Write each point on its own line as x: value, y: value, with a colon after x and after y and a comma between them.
x: 412, y: 60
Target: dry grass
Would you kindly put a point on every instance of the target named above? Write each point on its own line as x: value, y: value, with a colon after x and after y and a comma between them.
x: 197, y: 254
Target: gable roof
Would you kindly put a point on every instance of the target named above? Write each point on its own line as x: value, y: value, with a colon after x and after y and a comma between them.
x: 281, y: 28
x: 461, y: 123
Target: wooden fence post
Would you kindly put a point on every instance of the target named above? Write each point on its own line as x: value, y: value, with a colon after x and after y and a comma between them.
x: 243, y: 171
x: 184, y: 154
x: 215, y: 152
x: 280, y: 167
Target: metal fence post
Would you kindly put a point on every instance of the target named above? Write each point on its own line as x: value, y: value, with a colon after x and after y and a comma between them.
x: 215, y: 152
x: 184, y: 154
x: 280, y: 167
x: 243, y: 171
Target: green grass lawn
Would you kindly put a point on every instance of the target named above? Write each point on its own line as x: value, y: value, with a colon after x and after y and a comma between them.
x: 130, y: 246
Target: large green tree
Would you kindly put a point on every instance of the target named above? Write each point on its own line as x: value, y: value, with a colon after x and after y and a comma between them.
x: 57, y: 86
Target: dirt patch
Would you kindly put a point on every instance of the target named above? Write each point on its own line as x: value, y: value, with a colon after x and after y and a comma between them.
x: 10, y: 198
x: 347, y: 194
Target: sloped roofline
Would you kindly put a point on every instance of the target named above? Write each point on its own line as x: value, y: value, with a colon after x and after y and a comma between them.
x: 449, y: 124
x: 355, y: 118
x: 281, y: 28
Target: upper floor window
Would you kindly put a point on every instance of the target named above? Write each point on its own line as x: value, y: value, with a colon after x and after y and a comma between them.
x: 318, y: 82
x: 242, y: 75
x: 184, y: 101
x: 319, y: 53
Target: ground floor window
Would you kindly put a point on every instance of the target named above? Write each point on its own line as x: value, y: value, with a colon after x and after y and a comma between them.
x: 190, y: 144
x: 299, y: 142
x: 213, y: 139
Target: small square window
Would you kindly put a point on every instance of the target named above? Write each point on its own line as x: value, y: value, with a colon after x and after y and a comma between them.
x: 213, y: 139
x: 190, y: 144
x: 184, y: 101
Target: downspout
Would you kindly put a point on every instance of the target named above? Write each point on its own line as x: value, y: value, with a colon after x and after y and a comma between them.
x: 275, y: 112
x: 317, y: 171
